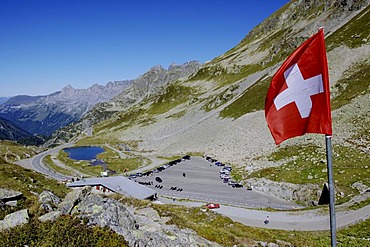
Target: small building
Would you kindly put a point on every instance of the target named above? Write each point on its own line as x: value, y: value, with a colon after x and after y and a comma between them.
x: 117, y: 184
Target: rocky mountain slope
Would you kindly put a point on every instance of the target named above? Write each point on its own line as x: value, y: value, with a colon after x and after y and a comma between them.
x: 9, y: 131
x: 218, y: 110
x: 148, y: 84
x: 45, y: 114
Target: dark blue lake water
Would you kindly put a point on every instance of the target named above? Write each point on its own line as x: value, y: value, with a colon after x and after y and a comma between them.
x: 84, y: 153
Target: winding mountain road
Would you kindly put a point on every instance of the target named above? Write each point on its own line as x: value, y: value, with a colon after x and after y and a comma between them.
x: 35, y: 163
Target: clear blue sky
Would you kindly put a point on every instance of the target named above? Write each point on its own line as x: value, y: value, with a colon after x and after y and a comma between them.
x: 48, y: 44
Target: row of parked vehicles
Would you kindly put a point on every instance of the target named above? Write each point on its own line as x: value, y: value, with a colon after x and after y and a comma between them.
x: 225, y: 173
x: 225, y: 176
x: 160, y: 168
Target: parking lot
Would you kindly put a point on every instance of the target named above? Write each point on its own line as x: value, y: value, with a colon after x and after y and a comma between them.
x: 199, y: 179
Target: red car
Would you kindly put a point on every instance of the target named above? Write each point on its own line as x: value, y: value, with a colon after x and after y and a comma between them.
x: 212, y: 205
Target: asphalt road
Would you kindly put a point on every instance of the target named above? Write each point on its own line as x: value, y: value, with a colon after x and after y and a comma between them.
x: 36, y: 163
x: 309, y: 220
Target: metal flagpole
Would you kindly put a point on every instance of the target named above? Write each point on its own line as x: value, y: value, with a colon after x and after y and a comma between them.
x: 333, y: 227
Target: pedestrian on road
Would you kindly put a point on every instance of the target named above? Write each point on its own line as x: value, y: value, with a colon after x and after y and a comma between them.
x: 267, y: 220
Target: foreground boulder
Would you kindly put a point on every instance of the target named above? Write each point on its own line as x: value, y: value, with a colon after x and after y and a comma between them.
x: 7, y: 195
x: 15, y: 219
x: 105, y: 212
x: 48, y: 201
x: 72, y: 199
x: 52, y: 216
x: 140, y: 228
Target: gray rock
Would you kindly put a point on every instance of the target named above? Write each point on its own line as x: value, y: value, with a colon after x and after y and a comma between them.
x: 154, y: 231
x: 11, y: 203
x: 301, y: 193
x: 360, y: 186
x: 9, y: 195
x: 53, y: 215
x: 48, y: 201
x: 72, y: 199
x: 105, y: 212
x: 17, y: 218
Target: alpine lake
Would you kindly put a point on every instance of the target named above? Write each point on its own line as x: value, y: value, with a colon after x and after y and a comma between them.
x: 84, y: 153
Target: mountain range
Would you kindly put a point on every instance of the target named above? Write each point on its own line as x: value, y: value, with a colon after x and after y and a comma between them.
x: 44, y: 114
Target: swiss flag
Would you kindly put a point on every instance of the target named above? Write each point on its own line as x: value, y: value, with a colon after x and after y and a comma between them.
x: 298, y: 100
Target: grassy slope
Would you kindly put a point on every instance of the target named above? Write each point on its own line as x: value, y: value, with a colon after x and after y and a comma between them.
x: 27, y: 181
x: 354, y: 82
x: 65, y: 231
x: 252, y: 99
x: 14, y: 151
x: 354, y: 34
x: 308, y: 165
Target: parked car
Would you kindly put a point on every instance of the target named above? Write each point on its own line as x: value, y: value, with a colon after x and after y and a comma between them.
x: 227, y: 168
x: 186, y: 157
x: 227, y: 172
x: 161, y: 168
x: 212, y: 205
x: 237, y: 185
x: 222, y: 176
x: 231, y: 182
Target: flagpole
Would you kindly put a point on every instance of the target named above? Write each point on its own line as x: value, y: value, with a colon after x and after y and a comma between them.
x: 333, y: 228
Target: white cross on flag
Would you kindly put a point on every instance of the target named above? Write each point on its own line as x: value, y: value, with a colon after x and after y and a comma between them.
x: 298, y: 100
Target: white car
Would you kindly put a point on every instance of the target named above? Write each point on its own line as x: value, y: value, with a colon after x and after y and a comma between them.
x: 224, y: 172
x: 231, y: 182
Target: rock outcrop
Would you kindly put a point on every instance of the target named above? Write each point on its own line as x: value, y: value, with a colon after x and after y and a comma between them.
x: 72, y: 199
x: 48, y: 201
x: 304, y: 194
x: 14, y: 219
x: 139, y: 228
x: 7, y: 196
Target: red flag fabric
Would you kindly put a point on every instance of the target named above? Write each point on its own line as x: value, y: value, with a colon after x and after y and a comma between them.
x: 298, y: 100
